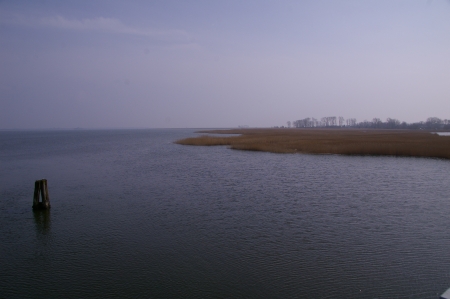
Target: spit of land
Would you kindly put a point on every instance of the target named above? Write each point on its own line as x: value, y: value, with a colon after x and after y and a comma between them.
x: 407, y: 143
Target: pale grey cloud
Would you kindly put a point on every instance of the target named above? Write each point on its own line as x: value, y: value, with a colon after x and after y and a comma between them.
x: 111, y: 25
x: 99, y: 25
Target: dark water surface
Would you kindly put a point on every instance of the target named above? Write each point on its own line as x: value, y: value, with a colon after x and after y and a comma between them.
x: 136, y: 216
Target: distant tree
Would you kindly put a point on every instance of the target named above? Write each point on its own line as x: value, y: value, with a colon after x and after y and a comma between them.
x: 392, y: 123
x: 305, y: 123
x: 333, y: 121
x: 308, y: 122
x: 329, y: 121
x: 288, y: 123
x: 351, y: 122
x: 364, y: 124
x: 377, y: 123
x: 434, y: 121
x: 416, y: 126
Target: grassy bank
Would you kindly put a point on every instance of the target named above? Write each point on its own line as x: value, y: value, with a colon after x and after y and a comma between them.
x: 330, y: 141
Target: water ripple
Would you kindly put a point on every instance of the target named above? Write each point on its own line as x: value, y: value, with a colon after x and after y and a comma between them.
x: 134, y: 215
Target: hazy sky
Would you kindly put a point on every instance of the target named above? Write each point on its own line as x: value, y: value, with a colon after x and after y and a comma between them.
x: 155, y: 64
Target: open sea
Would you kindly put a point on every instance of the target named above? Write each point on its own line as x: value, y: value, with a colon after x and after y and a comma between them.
x: 136, y: 216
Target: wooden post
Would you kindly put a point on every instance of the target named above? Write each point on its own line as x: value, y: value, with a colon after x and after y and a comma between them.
x: 40, y: 188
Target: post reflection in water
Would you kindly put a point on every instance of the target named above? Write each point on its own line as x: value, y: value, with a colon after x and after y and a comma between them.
x: 42, y: 222
x: 137, y: 216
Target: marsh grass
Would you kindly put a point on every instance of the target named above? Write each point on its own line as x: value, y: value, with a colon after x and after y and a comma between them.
x: 331, y: 141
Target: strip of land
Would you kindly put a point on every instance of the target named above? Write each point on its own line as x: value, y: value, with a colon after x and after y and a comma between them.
x: 407, y: 143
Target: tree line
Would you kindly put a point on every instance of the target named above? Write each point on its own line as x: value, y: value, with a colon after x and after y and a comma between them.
x: 432, y: 123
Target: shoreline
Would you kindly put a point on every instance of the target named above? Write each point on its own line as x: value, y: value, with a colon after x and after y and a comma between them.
x: 373, y: 142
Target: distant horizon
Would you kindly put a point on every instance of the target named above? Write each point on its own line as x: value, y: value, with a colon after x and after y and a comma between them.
x: 155, y: 128
x: 200, y: 64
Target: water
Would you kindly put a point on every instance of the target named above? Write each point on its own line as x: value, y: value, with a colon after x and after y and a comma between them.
x: 134, y: 215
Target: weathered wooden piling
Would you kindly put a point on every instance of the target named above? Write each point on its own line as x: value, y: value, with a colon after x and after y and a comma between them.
x: 40, y: 188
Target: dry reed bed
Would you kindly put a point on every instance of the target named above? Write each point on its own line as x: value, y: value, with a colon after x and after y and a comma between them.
x: 330, y: 141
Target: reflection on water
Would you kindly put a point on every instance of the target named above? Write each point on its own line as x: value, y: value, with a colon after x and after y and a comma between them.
x: 136, y: 216
x: 41, y: 248
x: 42, y: 222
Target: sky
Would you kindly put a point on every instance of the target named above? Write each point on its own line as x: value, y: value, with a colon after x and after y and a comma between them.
x: 217, y: 64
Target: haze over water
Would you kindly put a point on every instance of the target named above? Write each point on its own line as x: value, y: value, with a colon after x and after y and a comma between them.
x: 216, y: 64
x: 134, y: 215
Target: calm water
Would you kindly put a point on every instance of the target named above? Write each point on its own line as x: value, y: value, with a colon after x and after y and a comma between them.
x: 134, y: 215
